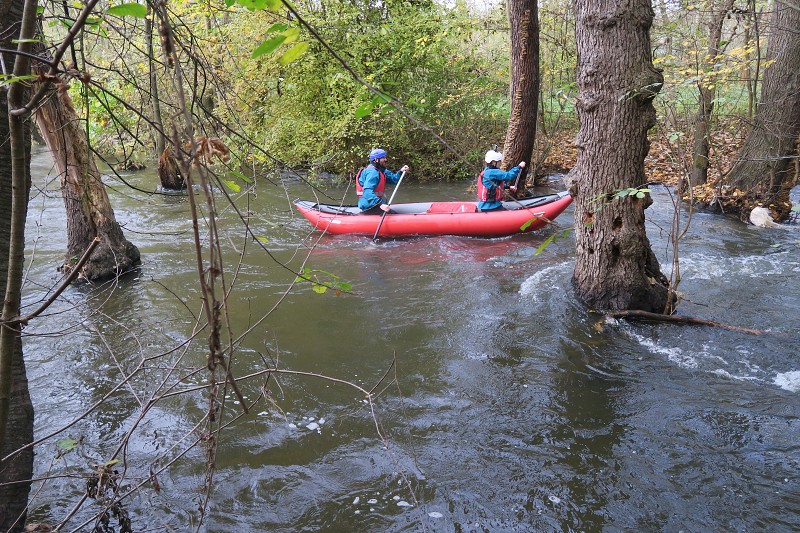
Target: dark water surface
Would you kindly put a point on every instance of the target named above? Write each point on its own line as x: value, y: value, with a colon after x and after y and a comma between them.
x: 509, y: 408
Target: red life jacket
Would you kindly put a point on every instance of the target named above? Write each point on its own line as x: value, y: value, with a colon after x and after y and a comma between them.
x: 378, y: 188
x: 486, y: 194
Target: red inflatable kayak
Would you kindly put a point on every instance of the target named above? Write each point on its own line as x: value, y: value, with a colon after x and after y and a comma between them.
x: 439, y: 218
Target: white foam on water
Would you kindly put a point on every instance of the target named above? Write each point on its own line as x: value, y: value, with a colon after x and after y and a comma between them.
x: 543, y: 281
x: 707, y: 267
x: 788, y: 381
x: 726, y: 374
x: 674, y: 354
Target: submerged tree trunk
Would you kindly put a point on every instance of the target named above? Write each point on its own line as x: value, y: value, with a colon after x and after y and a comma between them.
x: 764, y: 169
x: 521, y: 134
x: 707, y: 88
x: 16, y: 409
x: 169, y: 172
x: 89, y: 212
x: 615, y: 267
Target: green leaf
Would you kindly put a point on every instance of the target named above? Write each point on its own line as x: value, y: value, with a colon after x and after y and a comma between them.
x: 232, y: 185
x: 293, y: 53
x: 364, y: 109
x: 16, y: 79
x: 291, y: 35
x: 276, y: 27
x: 128, y: 10
x: 241, y: 176
x: 640, y: 194
x: 266, y: 241
x: 67, y: 444
x: 544, y: 245
x: 527, y: 224
x: 269, y: 46
x: 319, y: 289
x: 252, y: 5
x: 18, y: 41
x: 112, y: 462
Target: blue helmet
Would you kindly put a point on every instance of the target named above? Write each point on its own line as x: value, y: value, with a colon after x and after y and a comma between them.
x: 377, y: 153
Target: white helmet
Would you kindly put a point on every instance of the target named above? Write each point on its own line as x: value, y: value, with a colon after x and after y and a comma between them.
x: 492, y: 156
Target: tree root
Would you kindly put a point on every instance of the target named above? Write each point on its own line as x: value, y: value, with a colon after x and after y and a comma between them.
x: 658, y: 317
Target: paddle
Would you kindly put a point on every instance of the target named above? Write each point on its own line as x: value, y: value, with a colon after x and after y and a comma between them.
x: 389, y: 204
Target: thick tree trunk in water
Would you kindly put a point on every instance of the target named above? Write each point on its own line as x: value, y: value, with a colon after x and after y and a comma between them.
x: 19, y: 423
x: 89, y: 212
x: 707, y: 87
x: 521, y: 134
x: 615, y: 268
x: 169, y: 172
x: 765, y: 165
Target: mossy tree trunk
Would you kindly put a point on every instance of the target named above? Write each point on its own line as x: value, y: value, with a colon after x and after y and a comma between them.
x: 521, y: 135
x: 89, y: 212
x: 16, y: 409
x: 764, y: 167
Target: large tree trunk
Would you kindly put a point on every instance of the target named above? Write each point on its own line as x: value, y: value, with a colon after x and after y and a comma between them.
x: 765, y: 165
x: 521, y: 134
x: 707, y: 88
x: 16, y: 409
x: 615, y: 268
x: 89, y: 212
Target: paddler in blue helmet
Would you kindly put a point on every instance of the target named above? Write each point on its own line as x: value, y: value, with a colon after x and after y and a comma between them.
x: 492, y: 182
x: 371, y: 182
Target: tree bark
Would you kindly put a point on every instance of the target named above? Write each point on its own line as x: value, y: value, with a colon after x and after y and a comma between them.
x: 89, y: 212
x: 521, y: 135
x: 707, y: 88
x: 16, y: 409
x: 615, y: 267
x: 764, y: 168
x: 160, y: 140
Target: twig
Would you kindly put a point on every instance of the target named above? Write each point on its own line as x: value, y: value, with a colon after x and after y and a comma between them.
x: 64, y: 284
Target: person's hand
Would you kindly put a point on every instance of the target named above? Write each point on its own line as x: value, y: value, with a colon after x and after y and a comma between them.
x: 521, y: 164
x: 404, y: 169
x: 512, y: 189
x: 385, y: 207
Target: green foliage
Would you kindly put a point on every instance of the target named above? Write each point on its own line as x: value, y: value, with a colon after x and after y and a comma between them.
x: 551, y: 239
x: 321, y: 281
x: 604, y: 199
x: 128, y: 10
x: 9, y: 79
x: 313, y: 113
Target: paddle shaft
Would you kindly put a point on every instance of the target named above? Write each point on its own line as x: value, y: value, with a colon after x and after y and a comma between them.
x: 391, y: 198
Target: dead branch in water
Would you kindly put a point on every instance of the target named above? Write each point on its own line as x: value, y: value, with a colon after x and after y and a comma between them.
x: 678, y: 320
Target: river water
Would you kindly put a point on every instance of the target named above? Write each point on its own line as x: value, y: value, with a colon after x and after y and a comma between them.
x: 500, y: 404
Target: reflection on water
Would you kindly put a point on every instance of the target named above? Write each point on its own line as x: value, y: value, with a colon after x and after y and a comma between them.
x: 502, y: 404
